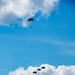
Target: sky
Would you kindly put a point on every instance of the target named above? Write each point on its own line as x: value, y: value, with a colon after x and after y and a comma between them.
x: 50, y: 41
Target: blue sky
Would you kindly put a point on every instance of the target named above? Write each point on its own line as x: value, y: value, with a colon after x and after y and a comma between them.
x: 51, y: 41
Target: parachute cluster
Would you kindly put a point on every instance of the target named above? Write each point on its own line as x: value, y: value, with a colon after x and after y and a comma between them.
x: 39, y: 69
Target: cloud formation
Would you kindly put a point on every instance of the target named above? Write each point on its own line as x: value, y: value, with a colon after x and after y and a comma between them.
x: 18, y: 11
x: 49, y: 70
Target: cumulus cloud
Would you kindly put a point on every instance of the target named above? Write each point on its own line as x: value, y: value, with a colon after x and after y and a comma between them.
x: 49, y: 70
x: 18, y: 11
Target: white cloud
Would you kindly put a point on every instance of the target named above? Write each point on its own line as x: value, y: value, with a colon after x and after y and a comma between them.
x: 49, y: 70
x: 12, y: 10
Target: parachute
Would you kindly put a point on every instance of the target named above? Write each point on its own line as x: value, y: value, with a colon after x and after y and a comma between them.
x: 34, y: 72
x: 30, y: 19
x: 38, y: 69
x: 43, y: 67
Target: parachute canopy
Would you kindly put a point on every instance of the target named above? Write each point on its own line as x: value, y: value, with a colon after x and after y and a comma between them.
x: 39, y: 69
x: 34, y: 72
x: 30, y: 19
x: 43, y: 67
